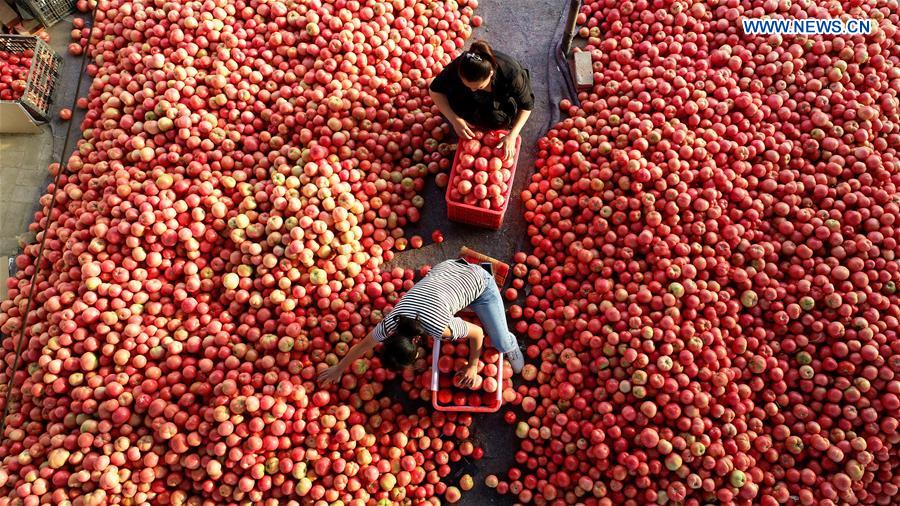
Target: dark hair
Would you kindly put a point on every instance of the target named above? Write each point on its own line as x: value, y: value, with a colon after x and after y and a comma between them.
x: 478, y: 62
x: 399, y: 350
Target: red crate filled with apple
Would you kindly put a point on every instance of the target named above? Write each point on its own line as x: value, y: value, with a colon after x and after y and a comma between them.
x: 14, y: 68
x: 485, y: 395
x: 481, y: 180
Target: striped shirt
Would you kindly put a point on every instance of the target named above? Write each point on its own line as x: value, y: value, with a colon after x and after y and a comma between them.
x: 449, y: 287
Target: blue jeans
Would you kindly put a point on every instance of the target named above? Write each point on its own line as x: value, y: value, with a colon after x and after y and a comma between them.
x: 490, y: 310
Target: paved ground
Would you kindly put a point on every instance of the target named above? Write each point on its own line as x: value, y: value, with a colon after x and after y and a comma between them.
x: 524, y: 29
x: 22, y: 181
x: 24, y: 157
x: 527, y: 30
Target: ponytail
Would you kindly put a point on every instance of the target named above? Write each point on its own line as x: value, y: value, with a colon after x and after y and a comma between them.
x: 478, y: 62
x: 483, y: 49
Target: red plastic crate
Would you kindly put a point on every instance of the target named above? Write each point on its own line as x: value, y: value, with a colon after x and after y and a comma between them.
x: 443, y: 386
x: 440, y: 388
x: 473, y: 215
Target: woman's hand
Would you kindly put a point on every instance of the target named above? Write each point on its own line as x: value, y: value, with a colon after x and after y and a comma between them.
x: 459, y: 125
x: 331, y: 375
x: 508, y: 144
x: 468, y: 375
x: 462, y: 129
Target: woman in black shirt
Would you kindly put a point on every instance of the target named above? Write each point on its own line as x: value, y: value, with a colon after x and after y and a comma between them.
x: 484, y: 90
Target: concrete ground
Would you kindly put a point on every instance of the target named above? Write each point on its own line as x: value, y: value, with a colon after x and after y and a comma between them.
x: 24, y: 158
x: 525, y: 29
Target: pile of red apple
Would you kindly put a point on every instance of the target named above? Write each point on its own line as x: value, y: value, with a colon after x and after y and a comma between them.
x: 14, y: 73
x: 714, y: 265
x: 213, y: 243
x: 482, y: 175
x: 712, y: 305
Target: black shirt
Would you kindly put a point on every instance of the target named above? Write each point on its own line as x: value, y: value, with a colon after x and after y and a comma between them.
x: 510, y: 93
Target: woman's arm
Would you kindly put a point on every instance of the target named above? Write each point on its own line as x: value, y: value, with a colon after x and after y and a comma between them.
x: 521, y: 92
x: 459, y: 125
x: 520, y: 121
x: 476, y: 342
x: 334, y: 373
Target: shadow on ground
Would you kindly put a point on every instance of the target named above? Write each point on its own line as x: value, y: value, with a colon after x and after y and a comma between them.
x: 527, y: 30
x: 24, y: 158
x: 524, y: 29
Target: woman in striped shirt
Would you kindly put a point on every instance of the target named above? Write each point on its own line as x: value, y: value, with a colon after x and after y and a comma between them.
x: 429, y: 308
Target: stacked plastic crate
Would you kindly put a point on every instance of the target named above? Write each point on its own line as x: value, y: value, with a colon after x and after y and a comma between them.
x: 49, y: 12
x: 33, y: 105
